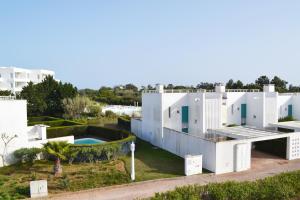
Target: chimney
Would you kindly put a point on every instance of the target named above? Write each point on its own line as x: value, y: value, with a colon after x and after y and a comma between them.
x: 159, y: 88
x: 269, y: 88
x: 220, y: 88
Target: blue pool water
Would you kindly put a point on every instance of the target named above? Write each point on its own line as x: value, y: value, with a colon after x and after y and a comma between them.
x: 88, y: 141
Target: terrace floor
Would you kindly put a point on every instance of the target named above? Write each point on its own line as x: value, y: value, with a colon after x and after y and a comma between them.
x: 260, y: 160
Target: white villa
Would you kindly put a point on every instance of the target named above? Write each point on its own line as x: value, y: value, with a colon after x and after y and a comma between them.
x: 225, y: 126
x: 13, y: 125
x: 14, y: 79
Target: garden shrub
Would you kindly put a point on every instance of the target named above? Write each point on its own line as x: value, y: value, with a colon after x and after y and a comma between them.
x: 286, y: 119
x: 124, y: 122
x: 42, y: 119
x: 118, y: 142
x: 55, y: 123
x: 27, y: 154
x: 281, y: 187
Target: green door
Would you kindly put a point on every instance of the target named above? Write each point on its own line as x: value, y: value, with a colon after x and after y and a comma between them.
x: 185, y: 118
x: 185, y: 114
x: 243, y: 113
x: 290, y: 110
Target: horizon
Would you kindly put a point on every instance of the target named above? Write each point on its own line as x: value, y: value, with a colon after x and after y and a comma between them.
x: 183, y: 43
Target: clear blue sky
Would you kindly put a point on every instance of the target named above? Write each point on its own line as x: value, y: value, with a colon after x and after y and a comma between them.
x: 94, y: 43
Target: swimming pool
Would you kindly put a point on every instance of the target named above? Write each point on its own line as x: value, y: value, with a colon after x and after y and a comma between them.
x: 88, y: 141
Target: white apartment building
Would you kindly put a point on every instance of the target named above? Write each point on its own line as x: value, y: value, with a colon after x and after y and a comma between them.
x: 227, y: 127
x: 14, y: 79
x: 13, y: 126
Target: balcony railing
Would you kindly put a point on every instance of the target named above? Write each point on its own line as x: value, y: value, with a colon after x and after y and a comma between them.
x: 242, y: 90
x: 7, y: 97
x: 177, y: 91
x: 199, y: 90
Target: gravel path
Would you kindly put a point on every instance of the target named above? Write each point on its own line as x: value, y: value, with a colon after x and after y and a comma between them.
x: 149, y: 188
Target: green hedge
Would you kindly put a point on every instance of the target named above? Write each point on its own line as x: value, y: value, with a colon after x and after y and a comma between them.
x: 118, y: 144
x: 124, y: 123
x: 281, y: 187
x: 55, y: 123
x: 42, y: 119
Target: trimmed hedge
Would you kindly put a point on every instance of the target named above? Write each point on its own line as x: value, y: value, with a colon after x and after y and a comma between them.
x: 280, y: 187
x: 55, y: 123
x: 42, y: 119
x: 119, y: 142
x: 124, y: 123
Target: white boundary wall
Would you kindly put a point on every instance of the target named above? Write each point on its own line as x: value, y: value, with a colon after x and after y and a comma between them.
x: 136, y: 128
x: 183, y: 144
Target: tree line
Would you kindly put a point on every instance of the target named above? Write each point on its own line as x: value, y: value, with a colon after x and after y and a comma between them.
x: 54, y: 98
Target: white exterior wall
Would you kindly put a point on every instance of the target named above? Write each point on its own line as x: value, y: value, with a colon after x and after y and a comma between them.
x: 175, y: 101
x: 282, y: 104
x: 270, y: 111
x: 234, y: 101
x: 225, y: 155
x: 136, y: 127
x: 183, y: 144
x: 13, y: 121
x: 14, y: 79
x: 152, y: 117
x: 213, y: 111
x: 296, y: 106
x: 293, y: 146
x: 197, y: 113
x: 255, y: 109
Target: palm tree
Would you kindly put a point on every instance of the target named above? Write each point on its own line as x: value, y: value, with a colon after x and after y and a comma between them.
x: 58, y: 150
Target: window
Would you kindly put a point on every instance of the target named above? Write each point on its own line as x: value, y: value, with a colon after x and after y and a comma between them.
x: 11, y: 75
x: 232, y: 109
x: 169, y: 112
x: 38, y: 76
x: 0, y: 75
x: 11, y: 85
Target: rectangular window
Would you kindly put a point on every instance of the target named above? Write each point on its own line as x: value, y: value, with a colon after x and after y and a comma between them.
x: 169, y: 112
x: 11, y: 75
x: 0, y: 75
x: 232, y: 109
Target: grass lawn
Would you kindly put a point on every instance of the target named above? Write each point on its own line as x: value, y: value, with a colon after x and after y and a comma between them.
x: 154, y: 163
x: 150, y: 162
x: 14, y: 180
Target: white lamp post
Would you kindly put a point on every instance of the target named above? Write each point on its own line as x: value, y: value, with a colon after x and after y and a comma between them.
x: 132, y: 148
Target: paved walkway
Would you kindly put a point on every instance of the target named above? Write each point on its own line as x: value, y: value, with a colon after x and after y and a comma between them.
x: 149, y: 188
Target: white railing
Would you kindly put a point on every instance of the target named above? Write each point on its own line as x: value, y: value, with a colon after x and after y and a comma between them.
x: 242, y: 90
x: 7, y: 97
x: 177, y: 91
x: 289, y: 94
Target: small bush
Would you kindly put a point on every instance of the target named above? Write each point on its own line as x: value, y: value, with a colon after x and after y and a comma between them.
x: 286, y: 119
x: 27, y: 154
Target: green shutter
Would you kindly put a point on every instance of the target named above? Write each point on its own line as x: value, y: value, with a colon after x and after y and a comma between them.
x: 244, y: 110
x: 185, y: 114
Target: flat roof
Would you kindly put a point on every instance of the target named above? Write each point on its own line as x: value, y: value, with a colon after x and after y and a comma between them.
x: 288, y: 125
x: 244, y: 132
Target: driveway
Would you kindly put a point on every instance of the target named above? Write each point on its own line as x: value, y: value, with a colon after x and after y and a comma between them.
x: 149, y: 188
